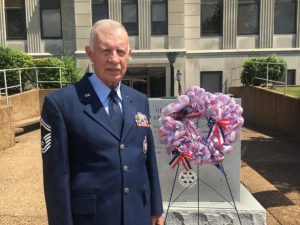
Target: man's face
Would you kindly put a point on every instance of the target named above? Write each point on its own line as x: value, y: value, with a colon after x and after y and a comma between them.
x: 110, y: 55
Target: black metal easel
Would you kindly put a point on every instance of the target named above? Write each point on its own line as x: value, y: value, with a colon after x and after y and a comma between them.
x: 220, y: 166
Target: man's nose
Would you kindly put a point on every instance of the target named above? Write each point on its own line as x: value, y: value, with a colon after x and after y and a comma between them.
x: 114, y: 58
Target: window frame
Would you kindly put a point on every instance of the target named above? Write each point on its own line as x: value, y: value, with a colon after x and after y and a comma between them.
x: 159, y: 2
x: 210, y: 2
x: 295, y: 17
x: 15, y: 8
x: 291, y: 77
x: 219, y: 72
x: 254, y: 2
x: 130, y: 2
x: 42, y: 8
x: 105, y: 4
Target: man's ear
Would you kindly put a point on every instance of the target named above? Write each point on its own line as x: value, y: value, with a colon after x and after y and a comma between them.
x: 89, y: 52
x: 130, y: 55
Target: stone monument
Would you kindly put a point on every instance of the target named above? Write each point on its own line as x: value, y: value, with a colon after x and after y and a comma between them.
x: 210, y: 199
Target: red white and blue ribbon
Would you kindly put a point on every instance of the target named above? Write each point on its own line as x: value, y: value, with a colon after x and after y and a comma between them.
x: 184, y: 140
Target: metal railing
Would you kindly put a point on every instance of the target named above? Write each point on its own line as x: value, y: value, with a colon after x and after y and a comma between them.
x: 235, y: 79
x: 37, y: 80
x: 273, y: 81
x: 240, y: 68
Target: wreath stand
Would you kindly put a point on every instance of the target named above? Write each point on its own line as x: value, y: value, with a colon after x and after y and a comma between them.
x: 221, y: 113
x: 221, y: 168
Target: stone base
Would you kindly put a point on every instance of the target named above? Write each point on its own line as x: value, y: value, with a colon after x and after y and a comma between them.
x: 216, y: 213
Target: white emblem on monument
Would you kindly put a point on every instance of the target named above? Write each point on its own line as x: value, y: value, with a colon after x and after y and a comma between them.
x: 187, y: 179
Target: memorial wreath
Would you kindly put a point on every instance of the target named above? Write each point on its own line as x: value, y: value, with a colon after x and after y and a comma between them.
x: 185, y: 142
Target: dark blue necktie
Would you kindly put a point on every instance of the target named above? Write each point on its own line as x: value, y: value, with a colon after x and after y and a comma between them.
x: 115, y: 111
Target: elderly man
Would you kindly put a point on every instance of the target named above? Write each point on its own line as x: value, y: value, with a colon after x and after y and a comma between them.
x: 98, y: 151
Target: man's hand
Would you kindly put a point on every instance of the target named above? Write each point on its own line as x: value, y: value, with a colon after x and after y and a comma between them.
x: 157, y: 220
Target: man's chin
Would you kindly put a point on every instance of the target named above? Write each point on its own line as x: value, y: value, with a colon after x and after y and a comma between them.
x: 114, y: 82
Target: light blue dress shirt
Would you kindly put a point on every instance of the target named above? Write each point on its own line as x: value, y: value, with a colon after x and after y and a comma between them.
x: 102, y: 91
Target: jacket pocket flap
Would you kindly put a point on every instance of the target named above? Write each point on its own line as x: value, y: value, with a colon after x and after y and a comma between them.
x: 84, y: 204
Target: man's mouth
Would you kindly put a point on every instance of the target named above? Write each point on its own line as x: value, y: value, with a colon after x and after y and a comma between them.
x: 114, y: 69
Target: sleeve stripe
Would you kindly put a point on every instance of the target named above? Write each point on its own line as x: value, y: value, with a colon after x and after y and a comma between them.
x: 45, y: 125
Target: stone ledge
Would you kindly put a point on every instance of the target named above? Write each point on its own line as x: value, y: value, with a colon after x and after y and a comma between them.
x: 27, y: 122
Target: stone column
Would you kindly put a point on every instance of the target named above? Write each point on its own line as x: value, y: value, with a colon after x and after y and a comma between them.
x: 144, y: 15
x: 229, y: 24
x: 68, y: 26
x: 298, y: 25
x: 2, y: 24
x: 33, y: 26
x: 176, y: 25
x: 83, y: 23
x: 266, y: 28
x: 115, y: 10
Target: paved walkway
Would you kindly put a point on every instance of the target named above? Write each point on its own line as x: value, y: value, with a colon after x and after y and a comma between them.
x: 21, y: 192
x: 270, y: 170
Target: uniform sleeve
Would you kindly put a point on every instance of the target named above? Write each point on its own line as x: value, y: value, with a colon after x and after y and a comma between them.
x: 156, y: 198
x: 54, y: 140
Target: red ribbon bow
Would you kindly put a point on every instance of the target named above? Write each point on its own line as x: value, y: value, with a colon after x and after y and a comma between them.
x: 218, y: 128
x: 184, y: 159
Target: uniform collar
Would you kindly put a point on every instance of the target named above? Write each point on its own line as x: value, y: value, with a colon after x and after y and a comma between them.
x: 101, y: 89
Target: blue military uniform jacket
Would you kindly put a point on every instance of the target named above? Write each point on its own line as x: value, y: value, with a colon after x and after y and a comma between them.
x: 92, y: 175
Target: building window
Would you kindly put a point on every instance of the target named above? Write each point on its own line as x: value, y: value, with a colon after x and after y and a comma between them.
x: 129, y: 16
x: 211, y: 17
x: 150, y: 81
x: 159, y: 17
x: 211, y: 81
x: 15, y: 19
x: 285, y: 17
x: 99, y: 10
x: 291, y: 77
x: 50, y: 19
x: 248, y: 17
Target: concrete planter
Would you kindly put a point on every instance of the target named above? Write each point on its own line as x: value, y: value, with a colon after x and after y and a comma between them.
x: 7, y: 127
x: 270, y: 110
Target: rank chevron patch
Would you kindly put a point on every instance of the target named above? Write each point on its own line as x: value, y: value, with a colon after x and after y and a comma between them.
x: 45, y: 136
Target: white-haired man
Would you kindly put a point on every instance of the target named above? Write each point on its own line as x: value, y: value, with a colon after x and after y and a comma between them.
x: 98, y: 151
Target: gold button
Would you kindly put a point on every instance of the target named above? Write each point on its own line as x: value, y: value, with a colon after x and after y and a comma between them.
x: 126, y: 190
x: 122, y: 147
x: 125, y: 168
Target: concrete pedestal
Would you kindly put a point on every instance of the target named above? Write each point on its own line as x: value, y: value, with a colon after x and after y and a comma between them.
x: 216, y: 213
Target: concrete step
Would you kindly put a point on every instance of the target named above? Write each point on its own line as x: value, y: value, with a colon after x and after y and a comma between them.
x: 18, y: 130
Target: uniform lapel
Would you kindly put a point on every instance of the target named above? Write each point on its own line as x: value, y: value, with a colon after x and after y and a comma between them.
x: 129, y: 112
x: 93, y: 106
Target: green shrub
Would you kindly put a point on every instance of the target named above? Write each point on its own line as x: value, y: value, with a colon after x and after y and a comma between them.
x: 258, y: 68
x: 71, y: 68
x: 11, y: 59
x: 67, y: 70
x: 48, y: 77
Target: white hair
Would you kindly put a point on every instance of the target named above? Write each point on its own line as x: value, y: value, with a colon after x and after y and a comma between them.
x: 114, y: 25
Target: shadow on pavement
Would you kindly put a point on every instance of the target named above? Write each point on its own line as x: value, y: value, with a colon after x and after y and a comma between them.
x: 29, y: 128
x: 277, y: 158
x: 272, y: 198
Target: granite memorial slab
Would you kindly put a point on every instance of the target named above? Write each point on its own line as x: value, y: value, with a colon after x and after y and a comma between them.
x: 212, y: 185
x: 210, y: 201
